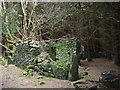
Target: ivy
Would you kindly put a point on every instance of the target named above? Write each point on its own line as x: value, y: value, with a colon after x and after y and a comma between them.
x: 13, y: 22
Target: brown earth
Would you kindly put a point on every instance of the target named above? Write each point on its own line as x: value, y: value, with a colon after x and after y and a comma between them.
x: 96, y: 66
x: 11, y: 76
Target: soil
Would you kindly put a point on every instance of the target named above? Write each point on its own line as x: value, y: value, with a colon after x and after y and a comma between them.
x: 96, y: 66
x: 11, y: 76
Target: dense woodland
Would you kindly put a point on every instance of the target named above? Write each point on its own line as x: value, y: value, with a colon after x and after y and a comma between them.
x: 68, y: 31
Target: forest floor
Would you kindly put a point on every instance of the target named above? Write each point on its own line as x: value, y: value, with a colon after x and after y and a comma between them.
x: 96, y: 66
x: 11, y: 76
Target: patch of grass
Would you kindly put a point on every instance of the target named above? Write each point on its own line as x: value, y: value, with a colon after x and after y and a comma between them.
x: 82, y: 74
x: 40, y: 77
x: 87, y: 78
x: 21, y: 74
x: 4, y: 62
x: 28, y: 72
x: 41, y: 83
x: 81, y: 85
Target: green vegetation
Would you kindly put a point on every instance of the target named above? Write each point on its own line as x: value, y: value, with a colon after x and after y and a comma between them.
x: 28, y: 72
x: 41, y: 83
x: 49, y: 38
x: 40, y: 77
x: 48, y: 67
x: 4, y: 62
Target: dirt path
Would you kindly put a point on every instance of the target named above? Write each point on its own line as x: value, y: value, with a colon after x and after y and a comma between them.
x: 0, y: 77
x: 95, y: 67
x: 12, y: 78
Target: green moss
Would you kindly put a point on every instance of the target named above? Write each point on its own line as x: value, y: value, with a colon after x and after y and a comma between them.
x: 40, y: 77
x: 82, y: 74
x: 41, y: 83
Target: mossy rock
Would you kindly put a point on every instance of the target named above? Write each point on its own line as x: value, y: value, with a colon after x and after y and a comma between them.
x: 25, y: 54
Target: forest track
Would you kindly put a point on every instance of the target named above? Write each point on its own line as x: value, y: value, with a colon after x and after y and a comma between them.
x: 11, y: 77
x: 96, y: 66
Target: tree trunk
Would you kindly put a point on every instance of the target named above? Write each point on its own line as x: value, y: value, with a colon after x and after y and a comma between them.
x: 78, y: 50
x: 117, y: 38
x: 0, y: 30
x: 73, y: 73
x: 117, y: 51
x: 109, y: 55
x: 53, y: 50
x: 89, y: 51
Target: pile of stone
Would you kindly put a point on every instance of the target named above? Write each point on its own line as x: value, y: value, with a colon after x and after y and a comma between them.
x: 31, y: 56
x: 110, y: 79
x: 25, y: 53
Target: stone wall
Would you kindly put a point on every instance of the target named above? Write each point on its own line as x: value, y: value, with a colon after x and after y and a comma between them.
x: 25, y: 54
